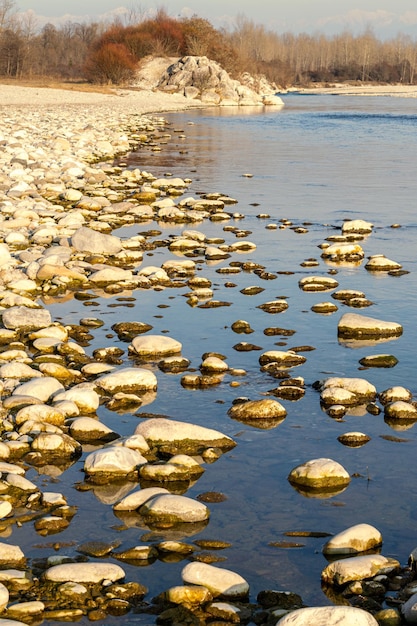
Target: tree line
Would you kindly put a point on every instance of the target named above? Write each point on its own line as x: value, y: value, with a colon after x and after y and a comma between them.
x: 106, y: 53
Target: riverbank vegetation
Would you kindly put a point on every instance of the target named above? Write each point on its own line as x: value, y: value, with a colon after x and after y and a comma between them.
x: 109, y: 53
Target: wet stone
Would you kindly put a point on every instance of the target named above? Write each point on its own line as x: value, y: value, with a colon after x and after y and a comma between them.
x: 274, y: 306
x: 126, y: 331
x: 352, y: 325
x: 355, y: 539
x: 257, y: 409
x: 379, y: 360
x: 220, y: 582
x: 353, y: 439
x: 321, y: 474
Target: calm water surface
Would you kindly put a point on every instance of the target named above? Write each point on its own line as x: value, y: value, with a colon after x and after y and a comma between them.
x: 319, y: 161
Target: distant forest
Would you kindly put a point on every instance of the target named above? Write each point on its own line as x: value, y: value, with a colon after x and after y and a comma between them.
x: 104, y: 53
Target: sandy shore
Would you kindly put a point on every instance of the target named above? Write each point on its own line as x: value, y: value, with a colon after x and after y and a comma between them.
x: 128, y: 101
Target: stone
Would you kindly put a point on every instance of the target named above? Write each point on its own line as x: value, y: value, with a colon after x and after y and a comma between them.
x: 399, y: 410
x: 257, y: 409
x: 4, y: 597
x: 87, y: 400
x: 173, y: 509
x: 113, y: 461
x: 84, y: 573
x: 355, y: 326
x: 353, y: 439
x: 181, y: 437
x: 149, y: 346
x: 188, y: 595
x: 179, y: 468
x: 127, y: 380
x: 357, y: 226
x: 11, y: 556
x: 321, y: 474
x: 328, y: 616
x: 395, y: 393
x: 5, y: 509
x: 220, y: 582
x: 90, y: 429
x: 346, y: 570
x: 317, y: 283
x: 135, y: 500
x: 343, y: 252
x: 346, y: 391
x: 110, y: 275
x: 56, y: 444
x: 214, y: 364
x: 26, y: 319
x: 358, y: 538
x: 40, y: 388
x: 18, y: 370
x: 379, y: 360
x: 90, y: 241
x: 281, y: 357
x: 409, y: 609
x: 380, y: 263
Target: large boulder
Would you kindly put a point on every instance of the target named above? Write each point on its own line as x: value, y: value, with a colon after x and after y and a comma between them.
x: 200, y: 77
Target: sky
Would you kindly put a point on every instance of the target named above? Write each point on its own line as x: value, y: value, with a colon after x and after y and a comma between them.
x: 385, y: 17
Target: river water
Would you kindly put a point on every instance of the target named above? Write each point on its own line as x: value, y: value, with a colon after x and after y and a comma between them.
x: 317, y: 162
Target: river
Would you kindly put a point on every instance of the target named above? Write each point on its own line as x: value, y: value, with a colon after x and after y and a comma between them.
x: 309, y: 166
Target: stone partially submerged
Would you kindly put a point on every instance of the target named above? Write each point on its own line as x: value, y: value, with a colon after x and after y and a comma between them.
x: 112, y: 463
x: 355, y: 326
x: 174, y: 437
x: 85, y: 573
x: 173, y: 509
x: 358, y: 538
x: 344, y: 571
x: 220, y: 582
x: 346, y: 391
x: 257, y: 409
x: 150, y: 346
x: 127, y: 380
x: 319, y: 474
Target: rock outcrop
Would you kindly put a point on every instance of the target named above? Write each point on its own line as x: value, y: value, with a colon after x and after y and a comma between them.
x: 200, y: 78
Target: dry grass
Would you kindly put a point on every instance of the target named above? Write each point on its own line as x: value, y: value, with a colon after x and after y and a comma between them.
x: 46, y: 82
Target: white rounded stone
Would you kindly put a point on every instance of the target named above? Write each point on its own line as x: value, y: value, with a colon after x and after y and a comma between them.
x: 219, y: 581
x: 320, y: 473
x: 113, y: 460
x: 160, y: 430
x: 174, y: 509
x: 328, y: 616
x: 343, y: 571
x: 155, y: 345
x: 135, y: 500
x: 358, y: 538
x: 4, y: 597
x: 87, y: 400
x: 129, y: 379
x: 41, y: 388
x: 88, y: 573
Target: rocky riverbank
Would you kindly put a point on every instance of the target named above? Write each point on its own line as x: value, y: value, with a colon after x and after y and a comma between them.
x: 61, y: 198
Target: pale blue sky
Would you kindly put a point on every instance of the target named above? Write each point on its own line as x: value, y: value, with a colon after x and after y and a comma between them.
x: 385, y: 17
